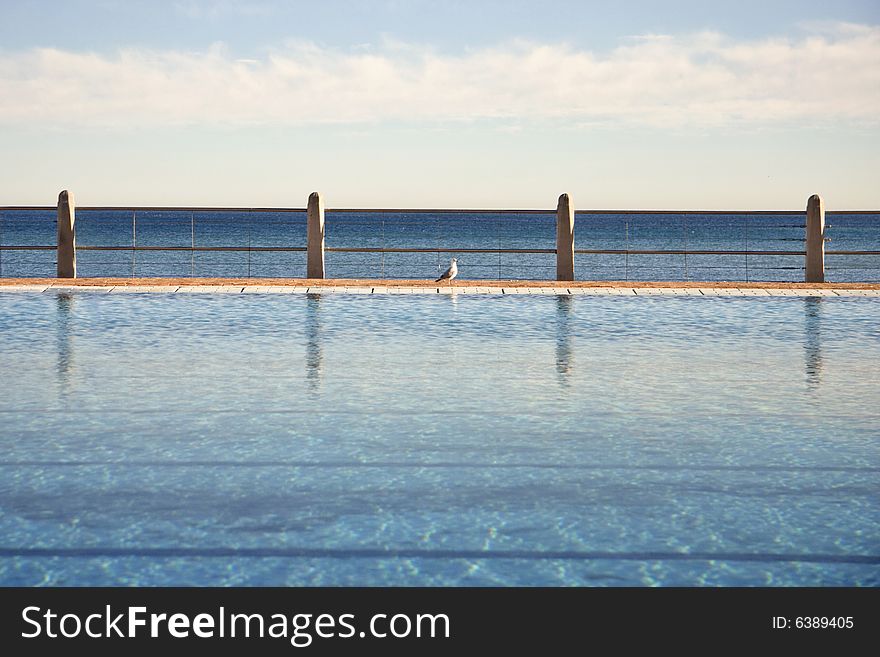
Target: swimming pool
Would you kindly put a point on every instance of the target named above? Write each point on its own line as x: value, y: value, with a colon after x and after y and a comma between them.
x: 438, y: 440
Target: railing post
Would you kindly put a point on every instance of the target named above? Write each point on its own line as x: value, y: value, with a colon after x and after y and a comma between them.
x: 564, y: 239
x: 315, y: 237
x: 66, y: 235
x: 815, y: 260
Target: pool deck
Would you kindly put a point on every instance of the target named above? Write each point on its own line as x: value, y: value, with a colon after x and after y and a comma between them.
x: 374, y: 286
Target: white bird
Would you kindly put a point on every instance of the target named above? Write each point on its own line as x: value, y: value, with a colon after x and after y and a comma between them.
x: 450, y: 273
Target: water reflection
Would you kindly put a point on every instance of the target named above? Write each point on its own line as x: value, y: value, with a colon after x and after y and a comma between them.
x: 813, y: 341
x: 314, y: 337
x: 564, y: 351
x: 64, y: 337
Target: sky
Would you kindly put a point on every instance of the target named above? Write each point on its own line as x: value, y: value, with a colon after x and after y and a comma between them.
x: 409, y: 103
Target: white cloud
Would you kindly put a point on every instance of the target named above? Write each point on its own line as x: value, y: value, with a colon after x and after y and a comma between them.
x: 830, y: 75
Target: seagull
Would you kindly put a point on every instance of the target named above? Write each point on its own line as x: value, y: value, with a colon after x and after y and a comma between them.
x: 450, y: 273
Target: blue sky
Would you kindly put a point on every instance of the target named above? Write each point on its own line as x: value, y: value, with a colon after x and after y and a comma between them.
x: 249, y: 27
x: 414, y: 103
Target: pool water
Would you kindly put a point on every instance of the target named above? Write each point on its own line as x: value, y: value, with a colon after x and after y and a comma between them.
x: 438, y: 440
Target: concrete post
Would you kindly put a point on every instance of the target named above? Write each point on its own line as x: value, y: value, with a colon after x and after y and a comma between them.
x: 565, y: 239
x: 66, y: 235
x: 315, y: 237
x: 815, y: 259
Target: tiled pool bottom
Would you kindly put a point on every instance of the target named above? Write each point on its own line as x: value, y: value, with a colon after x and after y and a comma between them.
x: 255, y: 439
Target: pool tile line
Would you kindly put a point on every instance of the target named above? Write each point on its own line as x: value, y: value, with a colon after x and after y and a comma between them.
x: 294, y: 552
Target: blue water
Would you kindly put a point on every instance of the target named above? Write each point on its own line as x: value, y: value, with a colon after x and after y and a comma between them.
x: 438, y: 440
x: 449, y: 231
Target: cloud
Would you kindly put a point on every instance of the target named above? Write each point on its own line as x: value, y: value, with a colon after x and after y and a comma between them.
x: 828, y: 75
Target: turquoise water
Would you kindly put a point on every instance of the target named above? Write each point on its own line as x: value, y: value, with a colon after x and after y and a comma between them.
x: 438, y: 440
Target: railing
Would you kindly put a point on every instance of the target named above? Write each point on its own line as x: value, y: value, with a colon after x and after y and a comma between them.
x: 412, y: 243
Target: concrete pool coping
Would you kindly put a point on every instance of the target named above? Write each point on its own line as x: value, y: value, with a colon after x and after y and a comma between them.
x: 378, y: 286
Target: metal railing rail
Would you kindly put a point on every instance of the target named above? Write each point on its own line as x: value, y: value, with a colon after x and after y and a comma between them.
x: 346, y: 249
x: 530, y: 211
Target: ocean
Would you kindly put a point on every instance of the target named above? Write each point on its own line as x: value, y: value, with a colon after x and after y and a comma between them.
x: 474, y: 238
